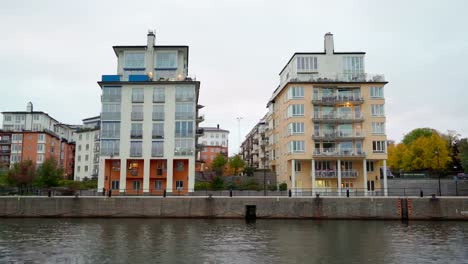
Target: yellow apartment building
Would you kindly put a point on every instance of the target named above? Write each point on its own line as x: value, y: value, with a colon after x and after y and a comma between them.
x: 326, y: 125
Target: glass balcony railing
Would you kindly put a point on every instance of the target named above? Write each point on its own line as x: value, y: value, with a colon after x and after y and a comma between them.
x: 184, y: 151
x: 337, y: 116
x: 338, y: 77
x: 339, y: 152
x: 337, y: 99
x: 338, y: 134
x: 334, y: 174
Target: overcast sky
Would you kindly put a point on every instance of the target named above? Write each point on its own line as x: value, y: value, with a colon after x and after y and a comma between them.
x: 53, y: 52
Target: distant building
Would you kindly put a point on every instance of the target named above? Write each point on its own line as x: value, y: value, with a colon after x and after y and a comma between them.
x: 214, y: 141
x: 87, y: 149
x: 253, y: 149
x: 149, y: 121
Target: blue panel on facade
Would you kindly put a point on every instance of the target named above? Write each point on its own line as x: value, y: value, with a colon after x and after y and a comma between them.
x: 110, y: 78
x: 138, y: 78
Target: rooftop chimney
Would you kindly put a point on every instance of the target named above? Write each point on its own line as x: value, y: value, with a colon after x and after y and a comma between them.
x: 151, y: 38
x: 29, y: 107
x: 329, y: 47
x: 217, y: 126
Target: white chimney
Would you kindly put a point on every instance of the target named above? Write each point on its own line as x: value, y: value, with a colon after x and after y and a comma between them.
x: 329, y: 47
x: 151, y: 38
x: 29, y: 107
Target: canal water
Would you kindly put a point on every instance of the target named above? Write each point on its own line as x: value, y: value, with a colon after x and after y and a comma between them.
x: 230, y: 241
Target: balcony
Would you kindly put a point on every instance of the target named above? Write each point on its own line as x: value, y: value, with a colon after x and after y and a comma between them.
x: 200, y: 132
x: 5, y: 141
x: 184, y: 151
x: 338, y: 78
x: 335, y: 117
x: 349, y: 174
x: 337, y: 152
x: 330, y: 174
x: 110, y: 78
x: 333, y: 135
x: 5, y: 151
x: 325, y: 174
x: 136, y: 134
x: 200, y: 118
x: 336, y: 99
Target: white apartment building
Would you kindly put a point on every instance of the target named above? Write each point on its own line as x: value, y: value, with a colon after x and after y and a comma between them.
x: 254, y: 147
x: 87, y: 149
x: 149, y: 121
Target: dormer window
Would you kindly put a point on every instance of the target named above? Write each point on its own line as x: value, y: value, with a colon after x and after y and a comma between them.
x: 134, y: 61
x: 166, y: 60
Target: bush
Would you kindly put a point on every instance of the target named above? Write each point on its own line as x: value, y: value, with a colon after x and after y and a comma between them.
x: 283, y: 186
x: 217, y: 184
x: 251, y: 185
x: 249, y: 171
x: 272, y: 187
x: 201, y: 186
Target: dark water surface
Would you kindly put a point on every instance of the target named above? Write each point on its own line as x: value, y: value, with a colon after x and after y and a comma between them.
x: 230, y: 241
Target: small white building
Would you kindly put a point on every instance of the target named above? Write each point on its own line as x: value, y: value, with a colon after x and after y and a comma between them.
x: 87, y: 149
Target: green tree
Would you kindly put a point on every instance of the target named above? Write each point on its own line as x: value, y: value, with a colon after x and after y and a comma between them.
x: 22, y: 173
x: 217, y: 184
x: 50, y: 173
x: 463, y: 153
x: 218, y: 164
x: 201, y: 186
x: 416, y: 133
x: 236, y: 164
x: 3, y: 178
x: 396, y: 154
x: 249, y: 171
x: 283, y: 186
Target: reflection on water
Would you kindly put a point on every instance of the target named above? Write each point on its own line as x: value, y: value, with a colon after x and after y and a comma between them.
x: 230, y: 241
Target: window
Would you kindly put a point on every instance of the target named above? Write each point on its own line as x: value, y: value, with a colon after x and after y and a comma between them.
x: 158, y: 95
x: 40, y: 147
x: 16, y: 147
x: 378, y: 146
x: 115, y: 185
x: 353, y: 66
x: 166, y: 60
x: 111, y: 94
x: 296, y: 110
x: 377, y: 110
x: 80, y: 137
x: 41, y: 137
x: 180, y: 165
x: 17, y: 137
x: 86, y: 157
x: 185, y: 93
x: 376, y: 92
x: 109, y: 130
x: 137, y: 130
x: 158, y: 185
x: 184, y: 111
x: 295, y: 92
x: 137, y: 112
x: 295, y: 128
x: 323, y: 165
x: 110, y: 112
x: 298, y: 166
x: 134, y: 61
x: 86, y: 168
x: 158, y: 130
x: 184, y: 147
x: 179, y: 185
x: 138, y: 95
x: 378, y: 128
x: 78, y: 169
x: 136, y: 185
x: 40, y: 158
x: 135, y: 149
x: 370, y: 165
x: 158, y: 112
x: 184, y: 129
x: 110, y: 147
x: 157, y: 149
x: 306, y: 63
x: 347, y: 165
x: 7, y: 118
x: 296, y: 146
x: 87, y: 146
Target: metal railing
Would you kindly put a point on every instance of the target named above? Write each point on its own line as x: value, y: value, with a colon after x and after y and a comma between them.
x: 338, y: 134
x: 336, y: 116
x: 342, y: 152
x: 338, y: 77
x: 336, y: 99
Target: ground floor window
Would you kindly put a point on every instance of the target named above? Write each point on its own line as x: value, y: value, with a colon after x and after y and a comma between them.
x: 136, y: 185
x: 179, y: 185
x: 158, y: 185
x: 115, y: 185
x: 347, y: 184
x: 322, y: 183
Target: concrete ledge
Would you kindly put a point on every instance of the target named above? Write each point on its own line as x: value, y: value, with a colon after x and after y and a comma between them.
x: 385, y: 208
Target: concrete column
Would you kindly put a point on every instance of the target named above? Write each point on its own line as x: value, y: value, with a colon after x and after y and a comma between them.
x: 101, y: 173
x: 385, y: 177
x: 170, y: 171
x: 339, y: 177
x: 364, y: 172
x: 146, y: 175
x: 123, y: 175
x: 191, y: 174
x: 313, y: 176
x: 293, y: 176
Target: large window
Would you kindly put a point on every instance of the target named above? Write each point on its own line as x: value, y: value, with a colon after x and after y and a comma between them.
x: 110, y: 147
x: 158, y: 130
x: 184, y: 111
x: 353, y: 66
x: 137, y: 130
x: 296, y: 93
x: 110, y: 130
x: 306, y: 63
x: 135, y: 149
x: 137, y: 112
x: 111, y: 94
x: 134, y: 61
x: 138, y: 95
x: 159, y: 95
x: 185, y: 93
x: 296, y: 146
x: 296, y: 128
x: 378, y: 128
x: 296, y: 110
x: 40, y: 147
x: 166, y: 60
x: 158, y: 185
x: 179, y: 185
x: 184, y: 147
x: 370, y: 165
x: 115, y: 185
x: 41, y: 138
x: 379, y: 146
x: 157, y: 149
x: 158, y: 112
x: 376, y: 92
x: 110, y: 111
x: 136, y: 185
x: 184, y: 129
x: 377, y: 110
